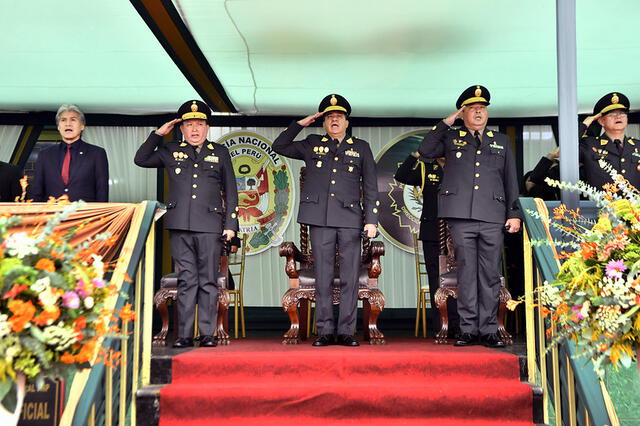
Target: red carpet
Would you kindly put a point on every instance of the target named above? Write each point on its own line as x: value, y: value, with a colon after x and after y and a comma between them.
x: 407, y: 381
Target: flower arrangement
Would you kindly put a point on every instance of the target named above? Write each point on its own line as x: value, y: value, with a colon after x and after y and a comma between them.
x: 52, y: 303
x: 595, y: 298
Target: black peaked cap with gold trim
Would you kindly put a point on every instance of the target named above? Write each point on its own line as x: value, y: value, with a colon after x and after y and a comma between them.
x: 334, y: 102
x: 472, y: 95
x: 194, y: 109
x: 611, y: 102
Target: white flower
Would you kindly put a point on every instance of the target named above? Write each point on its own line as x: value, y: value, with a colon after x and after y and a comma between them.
x: 59, y: 336
x: 41, y: 284
x: 48, y: 297
x: 5, y: 327
x: 88, y: 302
x: 20, y: 245
x: 12, y: 351
x: 98, y: 265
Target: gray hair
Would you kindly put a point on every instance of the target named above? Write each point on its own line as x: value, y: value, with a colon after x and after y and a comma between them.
x: 69, y: 107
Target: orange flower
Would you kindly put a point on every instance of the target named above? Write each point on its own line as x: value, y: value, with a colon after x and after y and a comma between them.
x: 46, y: 265
x: 588, y: 250
x: 67, y: 358
x: 47, y: 316
x: 127, y: 314
x: 15, y: 290
x: 80, y: 323
x: 87, y: 351
x: 100, y: 327
x: 22, y: 313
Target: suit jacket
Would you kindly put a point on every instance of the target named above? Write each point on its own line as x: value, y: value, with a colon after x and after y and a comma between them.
x: 410, y: 173
x: 88, y: 173
x: 336, y: 179
x: 479, y: 183
x: 9, y: 182
x: 596, y: 148
x: 196, y: 183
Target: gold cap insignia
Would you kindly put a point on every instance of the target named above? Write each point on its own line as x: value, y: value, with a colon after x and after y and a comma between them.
x: 478, y: 92
x: 615, y: 99
x: 333, y: 100
x: 194, y: 107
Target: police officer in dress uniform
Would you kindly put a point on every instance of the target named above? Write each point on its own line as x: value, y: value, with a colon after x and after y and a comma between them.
x: 477, y: 196
x: 612, y: 147
x: 426, y: 175
x: 199, y: 173
x: 338, y: 169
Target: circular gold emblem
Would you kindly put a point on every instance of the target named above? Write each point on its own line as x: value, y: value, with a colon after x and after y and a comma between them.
x: 333, y: 100
x: 194, y: 107
x: 615, y: 99
x: 478, y: 92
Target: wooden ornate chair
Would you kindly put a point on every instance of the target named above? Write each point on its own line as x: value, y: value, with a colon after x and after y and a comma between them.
x: 169, y: 292
x: 235, y: 265
x: 448, y: 287
x: 423, y: 288
x: 299, y: 268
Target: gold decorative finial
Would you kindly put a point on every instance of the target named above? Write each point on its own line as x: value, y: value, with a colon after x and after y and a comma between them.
x: 194, y: 106
x: 478, y: 92
x: 615, y: 99
x: 333, y: 100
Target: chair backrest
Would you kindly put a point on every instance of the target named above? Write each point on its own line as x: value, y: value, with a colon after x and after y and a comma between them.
x: 236, y: 263
x: 447, y: 259
x: 421, y: 267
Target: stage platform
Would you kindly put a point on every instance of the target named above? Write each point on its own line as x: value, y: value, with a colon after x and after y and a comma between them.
x: 406, y: 381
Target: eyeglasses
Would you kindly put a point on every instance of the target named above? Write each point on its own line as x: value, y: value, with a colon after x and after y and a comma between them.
x: 617, y: 114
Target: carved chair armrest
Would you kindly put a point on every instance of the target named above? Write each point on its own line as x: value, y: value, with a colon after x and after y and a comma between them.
x: 289, y: 250
x: 371, y: 257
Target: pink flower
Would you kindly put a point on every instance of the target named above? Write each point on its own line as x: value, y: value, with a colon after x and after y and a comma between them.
x: 81, y: 289
x: 98, y: 282
x: 615, y: 268
x: 71, y: 300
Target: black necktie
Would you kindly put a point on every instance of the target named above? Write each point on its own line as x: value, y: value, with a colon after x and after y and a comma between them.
x: 618, y: 143
x: 476, y: 135
x: 337, y: 142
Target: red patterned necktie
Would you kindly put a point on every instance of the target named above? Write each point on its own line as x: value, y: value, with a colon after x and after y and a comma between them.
x: 65, y: 165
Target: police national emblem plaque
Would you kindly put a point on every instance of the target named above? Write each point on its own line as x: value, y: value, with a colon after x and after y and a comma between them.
x: 265, y: 190
x: 400, y: 204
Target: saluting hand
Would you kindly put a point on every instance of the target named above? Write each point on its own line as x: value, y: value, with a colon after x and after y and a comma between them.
x: 415, y: 154
x: 167, y: 127
x: 453, y: 117
x: 309, y: 119
x: 587, y: 121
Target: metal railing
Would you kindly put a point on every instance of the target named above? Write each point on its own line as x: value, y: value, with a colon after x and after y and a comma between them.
x: 105, y: 394
x: 571, y: 388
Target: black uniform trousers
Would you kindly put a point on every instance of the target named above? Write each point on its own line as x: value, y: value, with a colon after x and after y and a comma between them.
x: 323, y: 246
x: 197, y: 258
x: 431, y: 252
x: 478, y: 249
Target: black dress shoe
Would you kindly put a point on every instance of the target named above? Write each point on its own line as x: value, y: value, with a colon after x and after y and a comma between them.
x: 183, y: 342
x: 466, y: 339
x: 454, y: 334
x: 324, y: 340
x: 492, y: 340
x: 346, y: 340
x: 208, y: 342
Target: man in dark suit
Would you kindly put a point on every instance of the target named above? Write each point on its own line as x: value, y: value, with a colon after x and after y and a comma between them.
x: 613, y: 146
x: 202, y: 210
x: 426, y: 174
x: 10, y: 176
x: 339, y: 169
x: 477, y: 197
x: 73, y: 167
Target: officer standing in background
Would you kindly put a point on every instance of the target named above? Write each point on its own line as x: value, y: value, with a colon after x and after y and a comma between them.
x: 200, y: 172
x: 613, y: 146
x: 338, y: 170
x: 426, y: 174
x: 477, y: 196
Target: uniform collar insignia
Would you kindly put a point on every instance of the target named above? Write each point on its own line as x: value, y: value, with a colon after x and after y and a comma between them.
x: 210, y: 146
x: 490, y: 133
x: 630, y: 141
x: 349, y: 141
x: 324, y: 139
x: 183, y: 144
x: 462, y: 133
x: 603, y: 141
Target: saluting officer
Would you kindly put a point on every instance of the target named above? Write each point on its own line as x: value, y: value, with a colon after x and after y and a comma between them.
x: 613, y: 146
x: 199, y: 173
x: 338, y: 170
x: 426, y: 174
x: 477, y: 196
